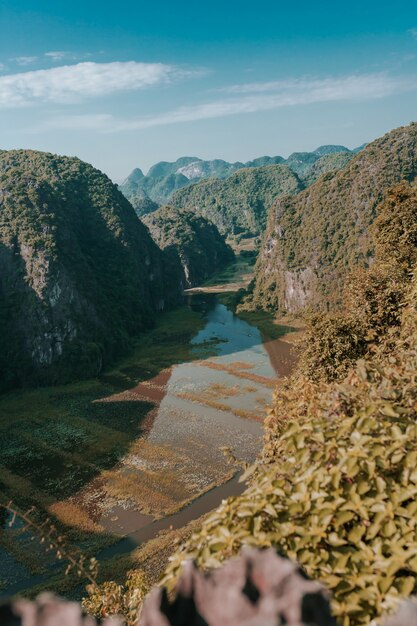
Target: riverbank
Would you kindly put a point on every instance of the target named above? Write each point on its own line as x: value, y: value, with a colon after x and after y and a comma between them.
x: 105, y: 458
x: 116, y: 461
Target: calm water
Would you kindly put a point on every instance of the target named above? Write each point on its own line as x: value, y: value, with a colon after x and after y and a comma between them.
x: 177, y: 471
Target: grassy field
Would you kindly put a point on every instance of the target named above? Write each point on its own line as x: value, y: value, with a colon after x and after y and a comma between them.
x: 55, y: 440
x: 66, y: 449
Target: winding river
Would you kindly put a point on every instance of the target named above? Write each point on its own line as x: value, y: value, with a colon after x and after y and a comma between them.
x: 177, y: 469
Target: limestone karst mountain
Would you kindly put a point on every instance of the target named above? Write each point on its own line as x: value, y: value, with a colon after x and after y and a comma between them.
x: 164, y: 178
x: 240, y: 203
x: 313, y: 239
x: 79, y: 273
x: 196, y: 241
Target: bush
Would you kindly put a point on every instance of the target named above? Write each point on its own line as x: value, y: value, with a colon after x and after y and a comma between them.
x: 373, y: 298
x: 336, y: 486
x: 110, y: 598
x: 331, y: 346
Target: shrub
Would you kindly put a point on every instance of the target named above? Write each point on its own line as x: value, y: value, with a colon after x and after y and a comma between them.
x: 110, y: 598
x: 336, y: 487
x: 373, y: 297
x: 331, y: 346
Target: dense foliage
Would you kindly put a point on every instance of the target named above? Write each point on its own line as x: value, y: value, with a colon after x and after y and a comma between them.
x: 79, y: 273
x: 336, y: 486
x: 110, y: 598
x: 327, y: 163
x: 315, y: 238
x: 197, y: 242
x: 373, y: 298
x: 164, y: 178
x: 240, y: 203
x: 142, y: 203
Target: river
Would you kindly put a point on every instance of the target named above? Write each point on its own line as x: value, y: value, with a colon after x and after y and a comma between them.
x: 176, y: 469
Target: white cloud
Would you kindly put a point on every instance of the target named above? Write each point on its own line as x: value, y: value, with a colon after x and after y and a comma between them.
x: 72, y: 83
x: 353, y: 85
x: 24, y: 60
x: 57, y: 55
x: 284, y: 93
x: 248, y: 98
x: 413, y: 32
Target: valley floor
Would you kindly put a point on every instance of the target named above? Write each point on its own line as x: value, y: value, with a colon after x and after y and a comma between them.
x: 106, y: 458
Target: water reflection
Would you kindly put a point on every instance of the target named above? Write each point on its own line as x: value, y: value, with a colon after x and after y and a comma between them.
x: 216, y: 400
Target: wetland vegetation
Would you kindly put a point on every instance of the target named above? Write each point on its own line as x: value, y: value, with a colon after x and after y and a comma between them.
x: 106, y: 457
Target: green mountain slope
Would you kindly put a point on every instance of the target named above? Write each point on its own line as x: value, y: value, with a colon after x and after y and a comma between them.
x: 142, y: 203
x: 165, y: 177
x: 327, y: 163
x: 198, y: 244
x: 79, y: 273
x: 314, y: 238
x: 239, y: 203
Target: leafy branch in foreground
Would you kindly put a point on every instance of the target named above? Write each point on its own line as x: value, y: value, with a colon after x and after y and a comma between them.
x: 50, y: 536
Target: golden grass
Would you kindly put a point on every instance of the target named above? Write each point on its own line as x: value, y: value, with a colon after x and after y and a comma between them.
x: 230, y: 369
x: 242, y: 365
x: 217, y: 389
x: 219, y: 406
x: 71, y: 514
x: 157, y: 493
x: 154, y: 485
x: 146, y: 490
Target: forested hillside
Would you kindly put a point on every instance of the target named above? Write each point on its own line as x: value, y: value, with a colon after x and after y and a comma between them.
x: 196, y: 241
x: 79, y: 273
x: 314, y: 238
x: 240, y: 203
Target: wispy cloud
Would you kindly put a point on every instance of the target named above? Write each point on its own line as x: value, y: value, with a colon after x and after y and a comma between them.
x: 248, y: 98
x: 284, y: 94
x: 24, y: 60
x: 413, y: 32
x: 58, y: 55
x: 72, y: 83
x: 349, y: 86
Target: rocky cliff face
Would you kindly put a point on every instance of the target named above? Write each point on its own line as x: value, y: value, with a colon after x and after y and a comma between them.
x: 79, y: 273
x: 191, y: 240
x: 313, y: 239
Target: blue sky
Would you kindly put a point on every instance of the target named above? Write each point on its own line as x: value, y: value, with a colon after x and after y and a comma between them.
x: 128, y: 84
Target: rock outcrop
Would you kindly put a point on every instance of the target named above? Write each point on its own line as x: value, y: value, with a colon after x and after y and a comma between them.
x: 314, y: 238
x: 192, y: 241
x: 79, y: 273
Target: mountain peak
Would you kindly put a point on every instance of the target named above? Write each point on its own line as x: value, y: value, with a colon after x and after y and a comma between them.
x: 330, y: 149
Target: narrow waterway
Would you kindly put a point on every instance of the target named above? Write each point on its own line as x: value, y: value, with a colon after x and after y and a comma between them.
x: 176, y: 470
x: 217, y: 400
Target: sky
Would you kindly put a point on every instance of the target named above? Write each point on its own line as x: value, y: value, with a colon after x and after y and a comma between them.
x: 128, y: 84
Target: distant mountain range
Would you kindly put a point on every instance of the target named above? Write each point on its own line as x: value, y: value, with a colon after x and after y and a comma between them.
x: 164, y: 178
